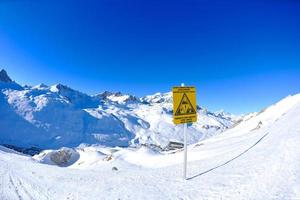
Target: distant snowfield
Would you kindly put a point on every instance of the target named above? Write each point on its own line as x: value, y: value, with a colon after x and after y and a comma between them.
x: 257, y: 159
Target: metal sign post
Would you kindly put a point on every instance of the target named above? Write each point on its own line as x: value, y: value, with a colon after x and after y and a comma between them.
x: 185, y: 147
x: 184, y: 111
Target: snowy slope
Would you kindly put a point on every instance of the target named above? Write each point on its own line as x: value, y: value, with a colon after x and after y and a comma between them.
x: 257, y: 159
x: 57, y: 112
x: 56, y: 116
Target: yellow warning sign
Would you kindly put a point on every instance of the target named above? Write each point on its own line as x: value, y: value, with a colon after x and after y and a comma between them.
x: 184, y: 105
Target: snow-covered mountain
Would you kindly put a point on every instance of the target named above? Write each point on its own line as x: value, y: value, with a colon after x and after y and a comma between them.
x: 259, y: 158
x: 54, y: 116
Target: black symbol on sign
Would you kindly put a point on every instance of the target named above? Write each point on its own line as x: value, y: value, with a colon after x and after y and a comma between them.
x: 185, y: 107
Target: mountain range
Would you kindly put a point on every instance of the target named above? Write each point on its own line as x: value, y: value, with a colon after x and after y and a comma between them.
x: 227, y: 157
x: 54, y: 116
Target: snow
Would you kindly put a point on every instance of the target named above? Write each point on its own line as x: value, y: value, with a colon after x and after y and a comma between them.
x: 244, y: 162
x: 59, y: 116
x: 113, y: 146
x: 122, y: 99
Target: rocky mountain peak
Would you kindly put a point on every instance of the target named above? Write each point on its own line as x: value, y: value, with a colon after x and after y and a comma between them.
x: 4, y: 77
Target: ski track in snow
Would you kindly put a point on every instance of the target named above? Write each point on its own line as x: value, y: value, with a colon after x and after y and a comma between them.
x: 232, y: 159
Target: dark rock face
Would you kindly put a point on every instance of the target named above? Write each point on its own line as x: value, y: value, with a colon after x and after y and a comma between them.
x: 114, y: 169
x: 4, y: 77
x: 29, y: 151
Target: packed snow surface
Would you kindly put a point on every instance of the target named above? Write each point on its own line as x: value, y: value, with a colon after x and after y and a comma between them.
x: 257, y: 159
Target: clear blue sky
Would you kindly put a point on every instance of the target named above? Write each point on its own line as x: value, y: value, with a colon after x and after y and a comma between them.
x: 241, y: 55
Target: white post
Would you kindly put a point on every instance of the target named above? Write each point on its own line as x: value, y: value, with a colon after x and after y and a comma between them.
x: 185, y: 147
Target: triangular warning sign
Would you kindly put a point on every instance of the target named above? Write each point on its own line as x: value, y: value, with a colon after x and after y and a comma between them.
x: 185, y: 107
